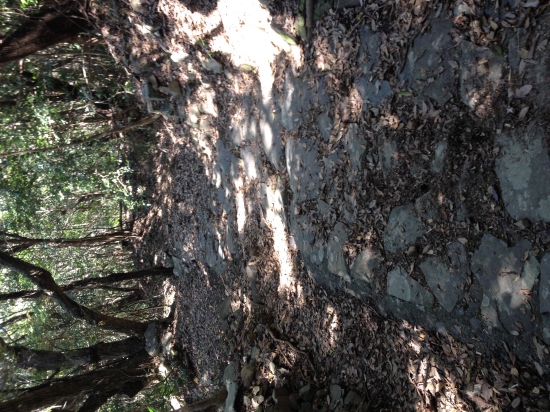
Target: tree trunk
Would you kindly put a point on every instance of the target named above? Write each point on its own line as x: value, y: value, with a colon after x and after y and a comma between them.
x: 91, y: 282
x: 15, y: 242
x: 98, y: 136
x: 127, y: 376
x: 45, y: 360
x: 44, y: 280
x: 42, y: 30
x: 15, y: 319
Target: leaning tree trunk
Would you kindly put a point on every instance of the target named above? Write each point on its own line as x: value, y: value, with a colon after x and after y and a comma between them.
x: 42, y: 30
x: 45, y: 360
x: 127, y: 377
x: 91, y: 283
x: 45, y: 281
x: 13, y: 242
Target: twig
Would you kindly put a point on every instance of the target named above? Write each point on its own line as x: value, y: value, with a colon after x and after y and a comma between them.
x: 294, y: 348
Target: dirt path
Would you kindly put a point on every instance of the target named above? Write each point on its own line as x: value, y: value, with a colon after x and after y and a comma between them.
x: 371, y: 208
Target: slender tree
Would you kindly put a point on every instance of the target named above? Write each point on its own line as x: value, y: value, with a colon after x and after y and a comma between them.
x: 98, y: 136
x: 91, y: 283
x: 126, y: 376
x: 13, y: 242
x: 45, y: 360
x: 45, y: 281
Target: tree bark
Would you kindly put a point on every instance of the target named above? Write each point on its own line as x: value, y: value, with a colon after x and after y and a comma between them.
x: 126, y: 376
x: 44, y: 280
x: 42, y: 30
x: 90, y: 283
x: 13, y: 241
x: 45, y: 360
x: 98, y: 136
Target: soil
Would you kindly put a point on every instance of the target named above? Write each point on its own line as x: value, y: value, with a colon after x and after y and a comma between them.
x: 309, y: 334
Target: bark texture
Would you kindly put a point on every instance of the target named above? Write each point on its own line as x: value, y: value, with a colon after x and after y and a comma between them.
x: 128, y: 377
x: 15, y: 243
x: 45, y: 360
x: 42, y: 30
x: 91, y: 283
x: 45, y: 281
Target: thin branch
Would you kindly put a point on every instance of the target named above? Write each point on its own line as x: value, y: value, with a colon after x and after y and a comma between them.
x: 98, y: 136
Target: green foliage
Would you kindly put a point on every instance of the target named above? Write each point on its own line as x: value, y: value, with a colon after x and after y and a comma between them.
x: 68, y: 193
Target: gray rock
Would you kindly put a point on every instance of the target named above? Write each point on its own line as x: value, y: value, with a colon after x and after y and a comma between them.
x: 364, y: 265
x: 498, y: 269
x: 373, y: 92
x: 475, y: 323
x: 336, y: 393
x: 231, y: 385
x: 323, y: 208
x: 447, y: 282
x: 438, y: 163
x: 166, y: 341
x: 208, y: 106
x: 325, y: 123
x: 225, y: 308
x: 212, y: 65
x: 428, y: 69
x: 151, y: 339
x: 296, y: 97
x: 180, y: 268
x: 545, y: 326
x: 303, y: 170
x: 355, y: 146
x: 524, y: 172
x: 544, y: 288
x: 404, y: 287
x: 368, y: 50
x: 479, y: 83
x: 403, y: 228
x: 335, y: 253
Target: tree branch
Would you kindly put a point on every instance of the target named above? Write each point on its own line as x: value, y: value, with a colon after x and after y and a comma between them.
x: 98, y: 136
x: 45, y: 281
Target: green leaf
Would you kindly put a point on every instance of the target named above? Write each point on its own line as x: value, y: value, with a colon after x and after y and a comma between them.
x: 405, y: 93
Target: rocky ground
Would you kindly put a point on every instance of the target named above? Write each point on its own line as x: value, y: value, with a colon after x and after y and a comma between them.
x: 359, y: 221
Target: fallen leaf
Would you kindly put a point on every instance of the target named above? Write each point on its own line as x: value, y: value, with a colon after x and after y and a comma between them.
x: 539, y: 369
x: 516, y: 402
x: 463, y: 240
x: 523, y: 91
x: 523, y: 112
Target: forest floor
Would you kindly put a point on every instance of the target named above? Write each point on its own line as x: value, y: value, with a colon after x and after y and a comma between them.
x: 357, y: 222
